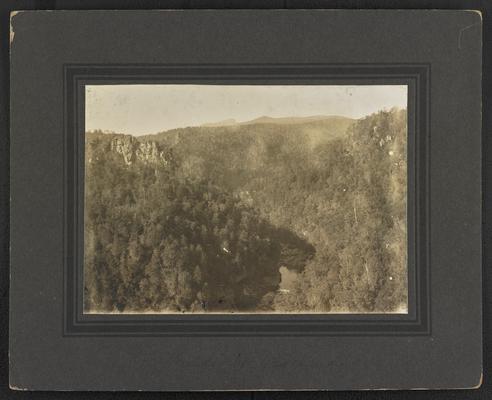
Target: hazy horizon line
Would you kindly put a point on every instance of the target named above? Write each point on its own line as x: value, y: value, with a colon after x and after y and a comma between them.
x: 238, y: 122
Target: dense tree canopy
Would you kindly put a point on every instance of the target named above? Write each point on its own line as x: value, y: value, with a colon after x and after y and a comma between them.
x: 203, y: 219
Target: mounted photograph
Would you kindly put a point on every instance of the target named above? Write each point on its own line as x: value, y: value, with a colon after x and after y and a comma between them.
x: 208, y: 198
x: 245, y: 200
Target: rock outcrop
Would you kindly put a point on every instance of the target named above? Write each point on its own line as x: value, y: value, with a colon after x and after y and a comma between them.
x: 133, y: 150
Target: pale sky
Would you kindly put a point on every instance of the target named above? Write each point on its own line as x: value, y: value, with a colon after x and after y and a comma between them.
x: 147, y: 109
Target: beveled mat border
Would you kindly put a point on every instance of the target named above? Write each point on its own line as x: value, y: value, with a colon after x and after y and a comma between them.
x: 416, y: 322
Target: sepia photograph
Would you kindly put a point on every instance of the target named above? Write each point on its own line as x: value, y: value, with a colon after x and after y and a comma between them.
x: 245, y: 199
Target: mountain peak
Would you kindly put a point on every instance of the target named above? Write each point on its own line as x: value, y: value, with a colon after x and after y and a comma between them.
x: 225, y: 122
x: 265, y: 119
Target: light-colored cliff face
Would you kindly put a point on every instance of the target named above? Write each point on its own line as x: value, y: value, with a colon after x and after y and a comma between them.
x: 125, y: 146
x: 132, y: 150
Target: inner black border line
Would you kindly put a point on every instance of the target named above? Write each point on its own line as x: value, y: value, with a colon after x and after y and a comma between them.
x: 168, y: 321
x: 75, y: 323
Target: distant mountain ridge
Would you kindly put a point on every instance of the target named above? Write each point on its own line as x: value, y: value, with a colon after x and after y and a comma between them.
x: 317, y: 128
x: 225, y: 122
x: 277, y: 120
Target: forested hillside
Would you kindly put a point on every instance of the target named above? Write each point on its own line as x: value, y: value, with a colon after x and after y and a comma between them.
x: 205, y: 218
